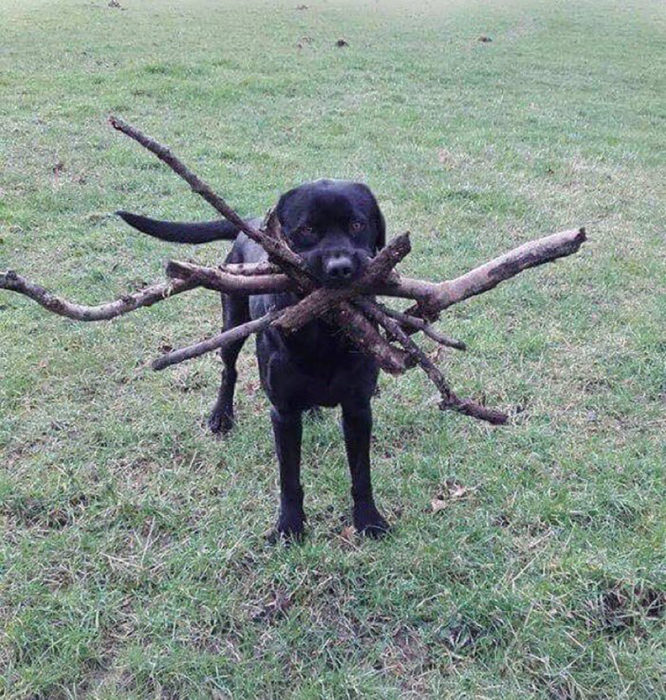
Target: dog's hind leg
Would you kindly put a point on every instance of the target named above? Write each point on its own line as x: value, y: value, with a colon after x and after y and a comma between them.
x: 235, y: 311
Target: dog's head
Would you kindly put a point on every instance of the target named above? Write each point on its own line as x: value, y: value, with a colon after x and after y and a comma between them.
x: 336, y: 226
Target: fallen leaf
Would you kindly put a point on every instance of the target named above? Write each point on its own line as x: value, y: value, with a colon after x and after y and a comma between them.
x: 276, y: 607
x: 458, y: 491
x: 438, y: 503
x: 57, y: 169
x: 348, y: 533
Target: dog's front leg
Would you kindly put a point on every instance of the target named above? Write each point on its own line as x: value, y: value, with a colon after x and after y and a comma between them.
x: 287, y: 429
x: 357, y: 427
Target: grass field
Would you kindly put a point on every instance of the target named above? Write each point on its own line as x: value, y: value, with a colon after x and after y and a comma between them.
x: 132, y: 557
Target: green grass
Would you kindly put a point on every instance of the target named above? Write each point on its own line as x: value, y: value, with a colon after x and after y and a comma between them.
x: 132, y: 559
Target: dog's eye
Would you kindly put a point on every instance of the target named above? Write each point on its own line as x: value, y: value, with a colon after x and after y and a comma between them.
x: 357, y: 226
x: 306, y: 235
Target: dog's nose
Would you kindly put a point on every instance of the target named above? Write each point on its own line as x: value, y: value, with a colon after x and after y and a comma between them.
x: 339, y: 268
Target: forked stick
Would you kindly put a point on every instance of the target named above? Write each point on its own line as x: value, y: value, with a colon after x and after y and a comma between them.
x: 449, y: 398
x: 418, y: 324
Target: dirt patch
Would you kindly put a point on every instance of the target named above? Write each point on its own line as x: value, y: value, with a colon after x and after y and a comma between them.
x: 36, y: 512
x: 622, y: 607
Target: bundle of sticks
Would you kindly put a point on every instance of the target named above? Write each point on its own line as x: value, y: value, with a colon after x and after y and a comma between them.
x: 376, y: 329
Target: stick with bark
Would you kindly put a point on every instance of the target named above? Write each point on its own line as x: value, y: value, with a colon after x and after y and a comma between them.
x: 219, y: 341
x: 414, y: 324
x: 277, y: 250
x: 434, y: 298
x: 322, y: 299
x: 14, y: 282
x: 222, y: 281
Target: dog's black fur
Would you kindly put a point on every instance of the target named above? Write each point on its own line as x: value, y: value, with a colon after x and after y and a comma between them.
x: 336, y: 226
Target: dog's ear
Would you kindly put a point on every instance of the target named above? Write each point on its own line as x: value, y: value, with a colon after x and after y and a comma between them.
x: 381, y: 228
x: 283, y: 203
x: 377, y: 215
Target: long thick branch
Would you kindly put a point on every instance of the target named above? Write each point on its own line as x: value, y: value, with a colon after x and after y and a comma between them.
x: 13, y: 282
x: 391, y: 359
x: 359, y: 329
x: 434, y: 298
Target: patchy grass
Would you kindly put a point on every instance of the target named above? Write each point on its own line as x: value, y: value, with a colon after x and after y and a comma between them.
x: 132, y: 562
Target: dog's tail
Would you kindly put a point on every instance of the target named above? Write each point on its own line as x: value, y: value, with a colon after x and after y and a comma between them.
x: 180, y: 232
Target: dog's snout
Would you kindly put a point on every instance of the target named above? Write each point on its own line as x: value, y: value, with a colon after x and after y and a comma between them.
x: 339, y: 267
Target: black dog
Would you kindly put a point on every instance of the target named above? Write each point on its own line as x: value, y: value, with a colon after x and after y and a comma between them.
x: 336, y: 227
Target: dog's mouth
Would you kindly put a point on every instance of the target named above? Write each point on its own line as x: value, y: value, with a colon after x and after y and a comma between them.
x: 332, y: 283
x: 337, y: 270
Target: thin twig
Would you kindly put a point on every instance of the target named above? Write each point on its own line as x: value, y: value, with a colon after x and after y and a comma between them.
x: 277, y: 250
x: 418, y: 324
x: 219, y: 341
x: 449, y: 398
x: 222, y: 281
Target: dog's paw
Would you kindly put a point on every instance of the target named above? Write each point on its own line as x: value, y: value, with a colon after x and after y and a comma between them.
x: 370, y: 522
x: 290, y: 527
x: 220, y: 423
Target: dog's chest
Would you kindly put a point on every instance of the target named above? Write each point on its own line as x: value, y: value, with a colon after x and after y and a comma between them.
x: 314, y: 367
